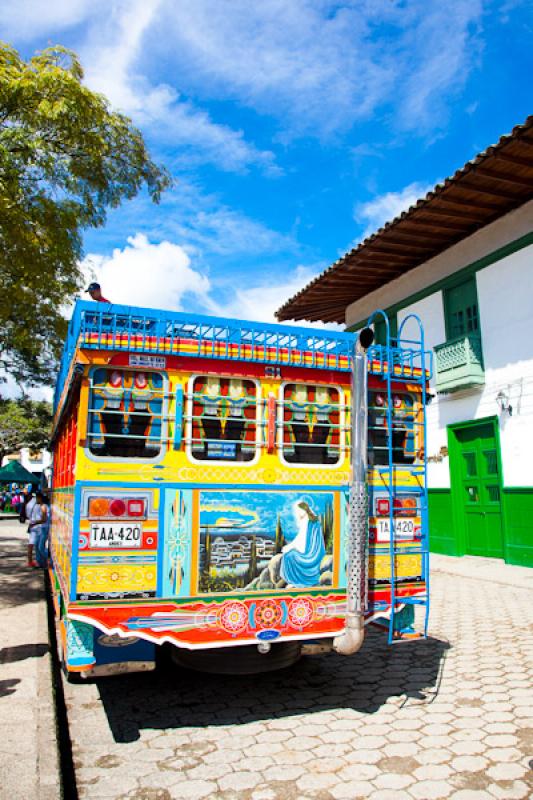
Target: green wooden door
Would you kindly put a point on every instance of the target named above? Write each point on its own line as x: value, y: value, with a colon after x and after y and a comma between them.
x: 478, y: 489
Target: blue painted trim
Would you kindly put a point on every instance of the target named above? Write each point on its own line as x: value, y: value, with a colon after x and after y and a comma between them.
x: 161, y: 543
x: 75, y: 541
x: 180, y: 317
x: 178, y: 418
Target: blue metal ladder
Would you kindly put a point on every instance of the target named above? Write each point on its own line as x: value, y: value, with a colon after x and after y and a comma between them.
x: 397, y: 361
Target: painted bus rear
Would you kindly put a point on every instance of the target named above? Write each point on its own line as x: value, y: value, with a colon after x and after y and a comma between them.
x: 201, y: 490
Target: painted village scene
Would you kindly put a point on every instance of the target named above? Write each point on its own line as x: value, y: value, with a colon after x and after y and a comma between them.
x: 265, y: 540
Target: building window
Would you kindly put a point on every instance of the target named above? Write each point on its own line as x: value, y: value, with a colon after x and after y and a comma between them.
x: 403, y: 431
x: 461, y: 310
x: 126, y: 413
x: 223, y: 417
x: 312, y: 420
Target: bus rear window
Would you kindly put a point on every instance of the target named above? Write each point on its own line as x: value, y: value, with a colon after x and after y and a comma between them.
x: 126, y: 413
x: 312, y: 429
x: 223, y: 419
x: 403, y: 428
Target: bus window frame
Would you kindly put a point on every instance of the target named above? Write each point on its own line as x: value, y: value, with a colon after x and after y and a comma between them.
x: 280, y: 425
x: 415, y: 430
x: 260, y: 442
x: 163, y: 441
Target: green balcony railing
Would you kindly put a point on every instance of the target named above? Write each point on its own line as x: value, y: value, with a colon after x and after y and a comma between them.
x: 459, y: 364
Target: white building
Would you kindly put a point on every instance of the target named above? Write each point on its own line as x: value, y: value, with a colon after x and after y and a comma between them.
x: 462, y: 260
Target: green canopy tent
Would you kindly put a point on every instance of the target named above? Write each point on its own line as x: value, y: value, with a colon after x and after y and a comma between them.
x: 14, y: 472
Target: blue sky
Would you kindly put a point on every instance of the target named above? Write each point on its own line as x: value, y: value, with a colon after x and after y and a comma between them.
x: 257, y: 512
x: 293, y: 127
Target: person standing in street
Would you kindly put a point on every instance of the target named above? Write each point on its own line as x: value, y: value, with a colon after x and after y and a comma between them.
x: 28, y: 502
x: 38, y: 532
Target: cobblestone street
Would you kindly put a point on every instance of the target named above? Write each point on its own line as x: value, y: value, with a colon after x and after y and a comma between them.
x: 447, y: 718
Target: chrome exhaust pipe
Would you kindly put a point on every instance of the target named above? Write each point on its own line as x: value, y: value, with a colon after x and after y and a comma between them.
x: 351, y: 639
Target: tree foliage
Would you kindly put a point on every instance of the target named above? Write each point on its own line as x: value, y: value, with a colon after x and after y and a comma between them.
x: 24, y: 423
x: 65, y: 159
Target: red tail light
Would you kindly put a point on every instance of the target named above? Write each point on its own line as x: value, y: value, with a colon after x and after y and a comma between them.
x: 108, y: 507
x: 405, y: 506
x: 117, y: 507
x: 136, y: 508
x: 382, y: 506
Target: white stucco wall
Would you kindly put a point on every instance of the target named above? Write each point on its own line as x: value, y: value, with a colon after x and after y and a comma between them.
x: 505, y: 297
x: 36, y: 463
x: 431, y: 312
x: 485, y: 241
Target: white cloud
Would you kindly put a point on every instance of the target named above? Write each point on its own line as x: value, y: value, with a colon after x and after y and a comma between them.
x: 26, y: 19
x: 260, y: 301
x: 385, y: 207
x: 145, y: 274
x: 320, y: 65
x: 224, y: 231
x: 113, y: 56
x: 201, y: 222
x: 444, y: 43
x: 305, y: 62
x: 316, y: 66
x: 161, y: 276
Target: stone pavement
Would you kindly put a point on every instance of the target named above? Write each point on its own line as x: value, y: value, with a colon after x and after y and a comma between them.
x: 451, y: 717
x: 492, y: 570
x: 28, y: 750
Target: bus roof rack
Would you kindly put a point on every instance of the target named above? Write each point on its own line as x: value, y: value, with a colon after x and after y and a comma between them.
x: 105, y: 326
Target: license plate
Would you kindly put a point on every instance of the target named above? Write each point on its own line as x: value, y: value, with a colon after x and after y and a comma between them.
x: 403, y: 529
x: 115, y: 535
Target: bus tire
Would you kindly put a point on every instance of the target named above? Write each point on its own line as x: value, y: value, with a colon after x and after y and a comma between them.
x: 245, y: 660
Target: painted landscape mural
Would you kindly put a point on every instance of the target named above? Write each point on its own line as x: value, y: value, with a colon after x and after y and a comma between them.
x: 265, y: 540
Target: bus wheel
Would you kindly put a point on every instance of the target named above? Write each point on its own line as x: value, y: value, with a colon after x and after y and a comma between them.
x: 245, y: 660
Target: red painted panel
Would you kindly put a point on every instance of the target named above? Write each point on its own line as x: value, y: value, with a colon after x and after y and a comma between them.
x: 222, y: 622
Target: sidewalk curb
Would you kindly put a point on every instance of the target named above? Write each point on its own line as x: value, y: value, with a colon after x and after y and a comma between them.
x: 48, y: 765
x: 477, y: 568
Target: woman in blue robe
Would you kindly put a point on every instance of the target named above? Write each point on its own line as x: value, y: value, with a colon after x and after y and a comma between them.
x: 300, y: 565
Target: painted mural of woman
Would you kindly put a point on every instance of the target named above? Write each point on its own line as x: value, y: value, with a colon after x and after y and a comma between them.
x: 300, y: 565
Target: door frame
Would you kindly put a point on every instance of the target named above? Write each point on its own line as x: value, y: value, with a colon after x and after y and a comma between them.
x: 456, y: 494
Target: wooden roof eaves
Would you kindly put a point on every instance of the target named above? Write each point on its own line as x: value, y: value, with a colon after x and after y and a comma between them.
x: 460, y: 227
x: 437, y: 211
x: 490, y: 190
x: 425, y: 231
x: 456, y: 190
x: 510, y: 158
x: 464, y: 201
x: 520, y: 180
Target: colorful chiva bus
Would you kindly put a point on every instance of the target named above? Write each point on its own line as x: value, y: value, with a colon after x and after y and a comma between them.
x: 201, y: 482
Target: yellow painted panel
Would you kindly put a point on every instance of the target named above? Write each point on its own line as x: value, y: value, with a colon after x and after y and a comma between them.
x: 406, y: 566
x: 117, y: 578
